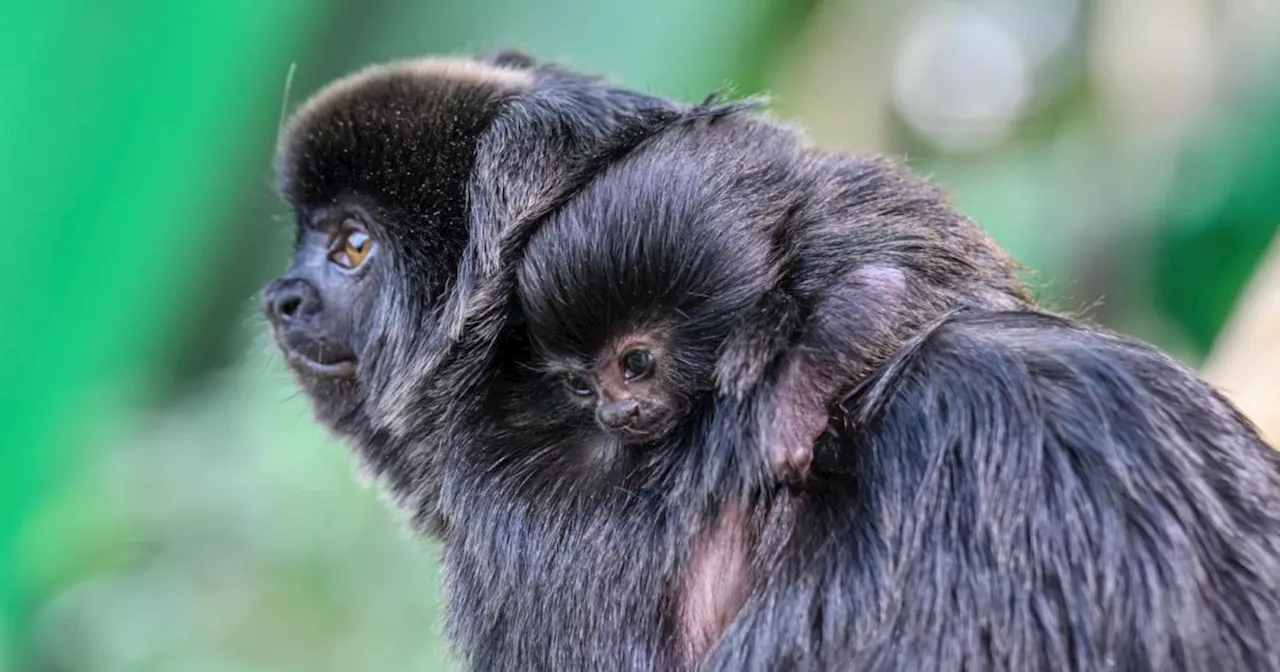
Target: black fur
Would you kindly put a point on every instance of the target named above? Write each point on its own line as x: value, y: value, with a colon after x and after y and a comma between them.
x: 1017, y: 491
x: 1003, y: 490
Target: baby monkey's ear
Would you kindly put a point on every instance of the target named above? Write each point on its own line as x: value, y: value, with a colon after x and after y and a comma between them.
x: 508, y: 58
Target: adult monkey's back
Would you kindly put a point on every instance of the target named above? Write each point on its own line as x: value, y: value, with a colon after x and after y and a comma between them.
x: 1025, y: 492
x: 1010, y: 491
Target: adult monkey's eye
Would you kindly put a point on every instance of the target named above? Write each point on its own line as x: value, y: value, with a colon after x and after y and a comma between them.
x: 350, y: 248
x: 636, y: 364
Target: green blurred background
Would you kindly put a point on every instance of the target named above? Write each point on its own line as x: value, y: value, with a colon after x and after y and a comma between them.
x: 166, y: 502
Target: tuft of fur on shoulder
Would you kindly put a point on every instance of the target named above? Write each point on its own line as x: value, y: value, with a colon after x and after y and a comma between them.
x: 715, y: 107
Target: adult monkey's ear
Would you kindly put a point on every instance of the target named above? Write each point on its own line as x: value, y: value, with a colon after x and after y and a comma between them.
x: 508, y: 58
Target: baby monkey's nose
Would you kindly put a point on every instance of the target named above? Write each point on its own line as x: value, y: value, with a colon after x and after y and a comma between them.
x: 618, y: 414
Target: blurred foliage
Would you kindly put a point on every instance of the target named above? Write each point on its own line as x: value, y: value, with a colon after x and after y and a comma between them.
x: 262, y: 558
x: 115, y: 119
x: 166, y: 502
x: 1221, y: 212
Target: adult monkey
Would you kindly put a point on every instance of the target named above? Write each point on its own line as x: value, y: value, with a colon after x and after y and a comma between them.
x: 1009, y: 490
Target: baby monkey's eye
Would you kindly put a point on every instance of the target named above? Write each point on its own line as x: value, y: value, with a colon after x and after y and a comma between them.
x: 350, y: 248
x: 636, y: 364
x: 578, y: 385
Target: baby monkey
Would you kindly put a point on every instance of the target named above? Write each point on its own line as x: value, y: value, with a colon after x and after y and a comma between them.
x: 723, y: 261
x: 627, y: 293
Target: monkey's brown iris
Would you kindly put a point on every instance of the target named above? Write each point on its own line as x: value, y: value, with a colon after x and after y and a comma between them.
x: 350, y: 248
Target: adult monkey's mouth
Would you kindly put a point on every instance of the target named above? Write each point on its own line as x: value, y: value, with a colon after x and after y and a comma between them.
x: 318, y: 359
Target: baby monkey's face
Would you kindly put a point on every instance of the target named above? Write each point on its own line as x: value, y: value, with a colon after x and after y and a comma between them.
x: 631, y: 388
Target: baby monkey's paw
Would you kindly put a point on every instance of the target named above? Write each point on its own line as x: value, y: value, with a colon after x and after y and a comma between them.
x: 787, y: 435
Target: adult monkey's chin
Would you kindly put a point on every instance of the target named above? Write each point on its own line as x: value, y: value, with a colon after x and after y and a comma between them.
x: 328, y: 377
x: 337, y: 401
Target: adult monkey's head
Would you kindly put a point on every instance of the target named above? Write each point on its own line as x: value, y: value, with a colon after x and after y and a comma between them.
x: 410, y: 184
x: 376, y: 168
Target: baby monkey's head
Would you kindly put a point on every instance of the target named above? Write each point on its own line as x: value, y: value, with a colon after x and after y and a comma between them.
x: 629, y: 290
x: 637, y: 385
